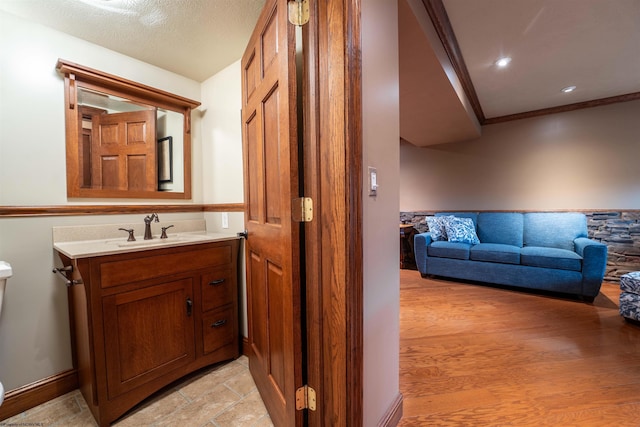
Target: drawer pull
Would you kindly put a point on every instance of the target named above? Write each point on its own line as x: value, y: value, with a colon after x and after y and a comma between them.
x: 216, y: 282
x: 219, y: 323
x: 189, y: 306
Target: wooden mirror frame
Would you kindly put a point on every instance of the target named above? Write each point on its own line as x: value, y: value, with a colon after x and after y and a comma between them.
x: 76, y: 76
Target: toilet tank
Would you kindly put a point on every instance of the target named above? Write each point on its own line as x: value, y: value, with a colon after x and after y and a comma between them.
x: 5, y: 270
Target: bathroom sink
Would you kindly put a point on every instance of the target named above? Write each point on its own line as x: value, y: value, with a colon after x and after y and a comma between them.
x: 156, y: 241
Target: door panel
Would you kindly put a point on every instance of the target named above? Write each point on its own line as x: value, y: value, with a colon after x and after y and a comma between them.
x: 252, y: 172
x: 137, y: 172
x: 109, y: 168
x: 272, y: 157
x: 276, y: 294
x: 271, y: 182
x: 257, y: 295
x: 269, y: 42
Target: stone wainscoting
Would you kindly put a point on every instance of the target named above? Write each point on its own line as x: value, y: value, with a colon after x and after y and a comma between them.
x: 619, y: 230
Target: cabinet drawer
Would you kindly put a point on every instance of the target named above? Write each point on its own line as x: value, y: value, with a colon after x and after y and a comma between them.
x: 218, y: 329
x: 218, y: 289
x: 123, y: 271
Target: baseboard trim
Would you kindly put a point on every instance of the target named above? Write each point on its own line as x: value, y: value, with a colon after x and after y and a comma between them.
x: 28, y: 396
x: 394, y: 414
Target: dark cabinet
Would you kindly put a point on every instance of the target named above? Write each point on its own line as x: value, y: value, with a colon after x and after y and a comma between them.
x: 141, y: 320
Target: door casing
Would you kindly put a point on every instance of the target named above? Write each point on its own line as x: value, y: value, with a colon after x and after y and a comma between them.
x: 332, y: 94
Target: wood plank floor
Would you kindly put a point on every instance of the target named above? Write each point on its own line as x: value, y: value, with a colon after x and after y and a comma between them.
x: 473, y: 355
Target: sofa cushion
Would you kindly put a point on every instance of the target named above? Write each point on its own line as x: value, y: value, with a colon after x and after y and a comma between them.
x: 448, y: 250
x: 437, y: 227
x: 561, y: 259
x: 461, y: 230
x: 495, y: 252
x: 554, y: 230
x: 501, y: 227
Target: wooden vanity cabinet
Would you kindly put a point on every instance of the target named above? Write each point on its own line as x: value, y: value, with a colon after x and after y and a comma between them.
x: 142, y: 320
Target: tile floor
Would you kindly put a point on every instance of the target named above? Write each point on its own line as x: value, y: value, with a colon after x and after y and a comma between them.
x: 224, y: 395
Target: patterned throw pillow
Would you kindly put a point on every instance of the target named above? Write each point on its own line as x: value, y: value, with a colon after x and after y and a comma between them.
x: 437, y: 227
x: 461, y: 230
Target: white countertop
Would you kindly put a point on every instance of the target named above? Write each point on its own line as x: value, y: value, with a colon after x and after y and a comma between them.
x: 106, y: 239
x: 92, y: 248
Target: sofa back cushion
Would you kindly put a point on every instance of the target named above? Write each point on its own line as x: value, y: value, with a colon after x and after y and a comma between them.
x: 554, y: 230
x: 501, y: 227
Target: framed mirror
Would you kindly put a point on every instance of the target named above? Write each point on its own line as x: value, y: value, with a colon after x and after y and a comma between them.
x: 124, y: 139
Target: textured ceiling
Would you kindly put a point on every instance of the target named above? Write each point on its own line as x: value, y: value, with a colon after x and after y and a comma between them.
x: 194, y: 38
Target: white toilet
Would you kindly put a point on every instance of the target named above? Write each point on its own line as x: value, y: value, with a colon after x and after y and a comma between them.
x: 5, y: 273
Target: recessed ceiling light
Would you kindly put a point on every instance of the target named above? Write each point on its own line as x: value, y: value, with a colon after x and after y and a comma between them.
x: 503, y: 62
x: 568, y: 89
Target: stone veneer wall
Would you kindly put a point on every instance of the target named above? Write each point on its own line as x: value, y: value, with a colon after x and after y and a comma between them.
x: 619, y: 230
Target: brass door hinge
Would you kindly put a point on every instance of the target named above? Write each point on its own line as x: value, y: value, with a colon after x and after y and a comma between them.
x: 302, y: 209
x: 299, y: 12
x: 305, y: 398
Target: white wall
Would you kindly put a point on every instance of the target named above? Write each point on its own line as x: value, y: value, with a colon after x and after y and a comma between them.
x: 222, y: 176
x: 222, y: 136
x: 583, y: 159
x: 34, y: 329
x: 381, y: 133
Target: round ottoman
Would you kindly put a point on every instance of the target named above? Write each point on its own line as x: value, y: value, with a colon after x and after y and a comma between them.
x: 630, y: 295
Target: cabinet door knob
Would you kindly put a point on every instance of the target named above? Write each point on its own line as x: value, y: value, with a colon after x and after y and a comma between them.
x: 189, y: 306
x: 219, y: 323
x: 216, y: 282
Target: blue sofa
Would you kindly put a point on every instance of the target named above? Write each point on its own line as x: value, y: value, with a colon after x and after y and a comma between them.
x: 537, y: 250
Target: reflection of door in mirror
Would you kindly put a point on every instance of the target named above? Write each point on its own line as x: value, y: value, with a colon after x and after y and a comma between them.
x: 118, y: 145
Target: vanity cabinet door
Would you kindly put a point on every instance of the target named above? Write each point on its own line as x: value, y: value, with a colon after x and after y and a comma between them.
x: 148, y: 332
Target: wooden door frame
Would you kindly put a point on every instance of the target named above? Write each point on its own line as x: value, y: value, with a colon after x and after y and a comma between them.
x: 332, y: 95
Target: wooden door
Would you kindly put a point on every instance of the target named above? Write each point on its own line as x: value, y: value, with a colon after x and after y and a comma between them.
x: 271, y: 182
x: 124, y: 154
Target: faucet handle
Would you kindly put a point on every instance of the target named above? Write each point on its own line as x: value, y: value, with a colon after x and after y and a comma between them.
x: 130, y: 231
x: 152, y: 217
x: 164, y: 231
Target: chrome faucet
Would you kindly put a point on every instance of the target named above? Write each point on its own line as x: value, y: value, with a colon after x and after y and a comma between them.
x: 147, y: 225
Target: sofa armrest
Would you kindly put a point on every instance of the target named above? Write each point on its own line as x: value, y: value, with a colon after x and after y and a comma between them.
x: 420, y: 243
x: 594, y: 263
